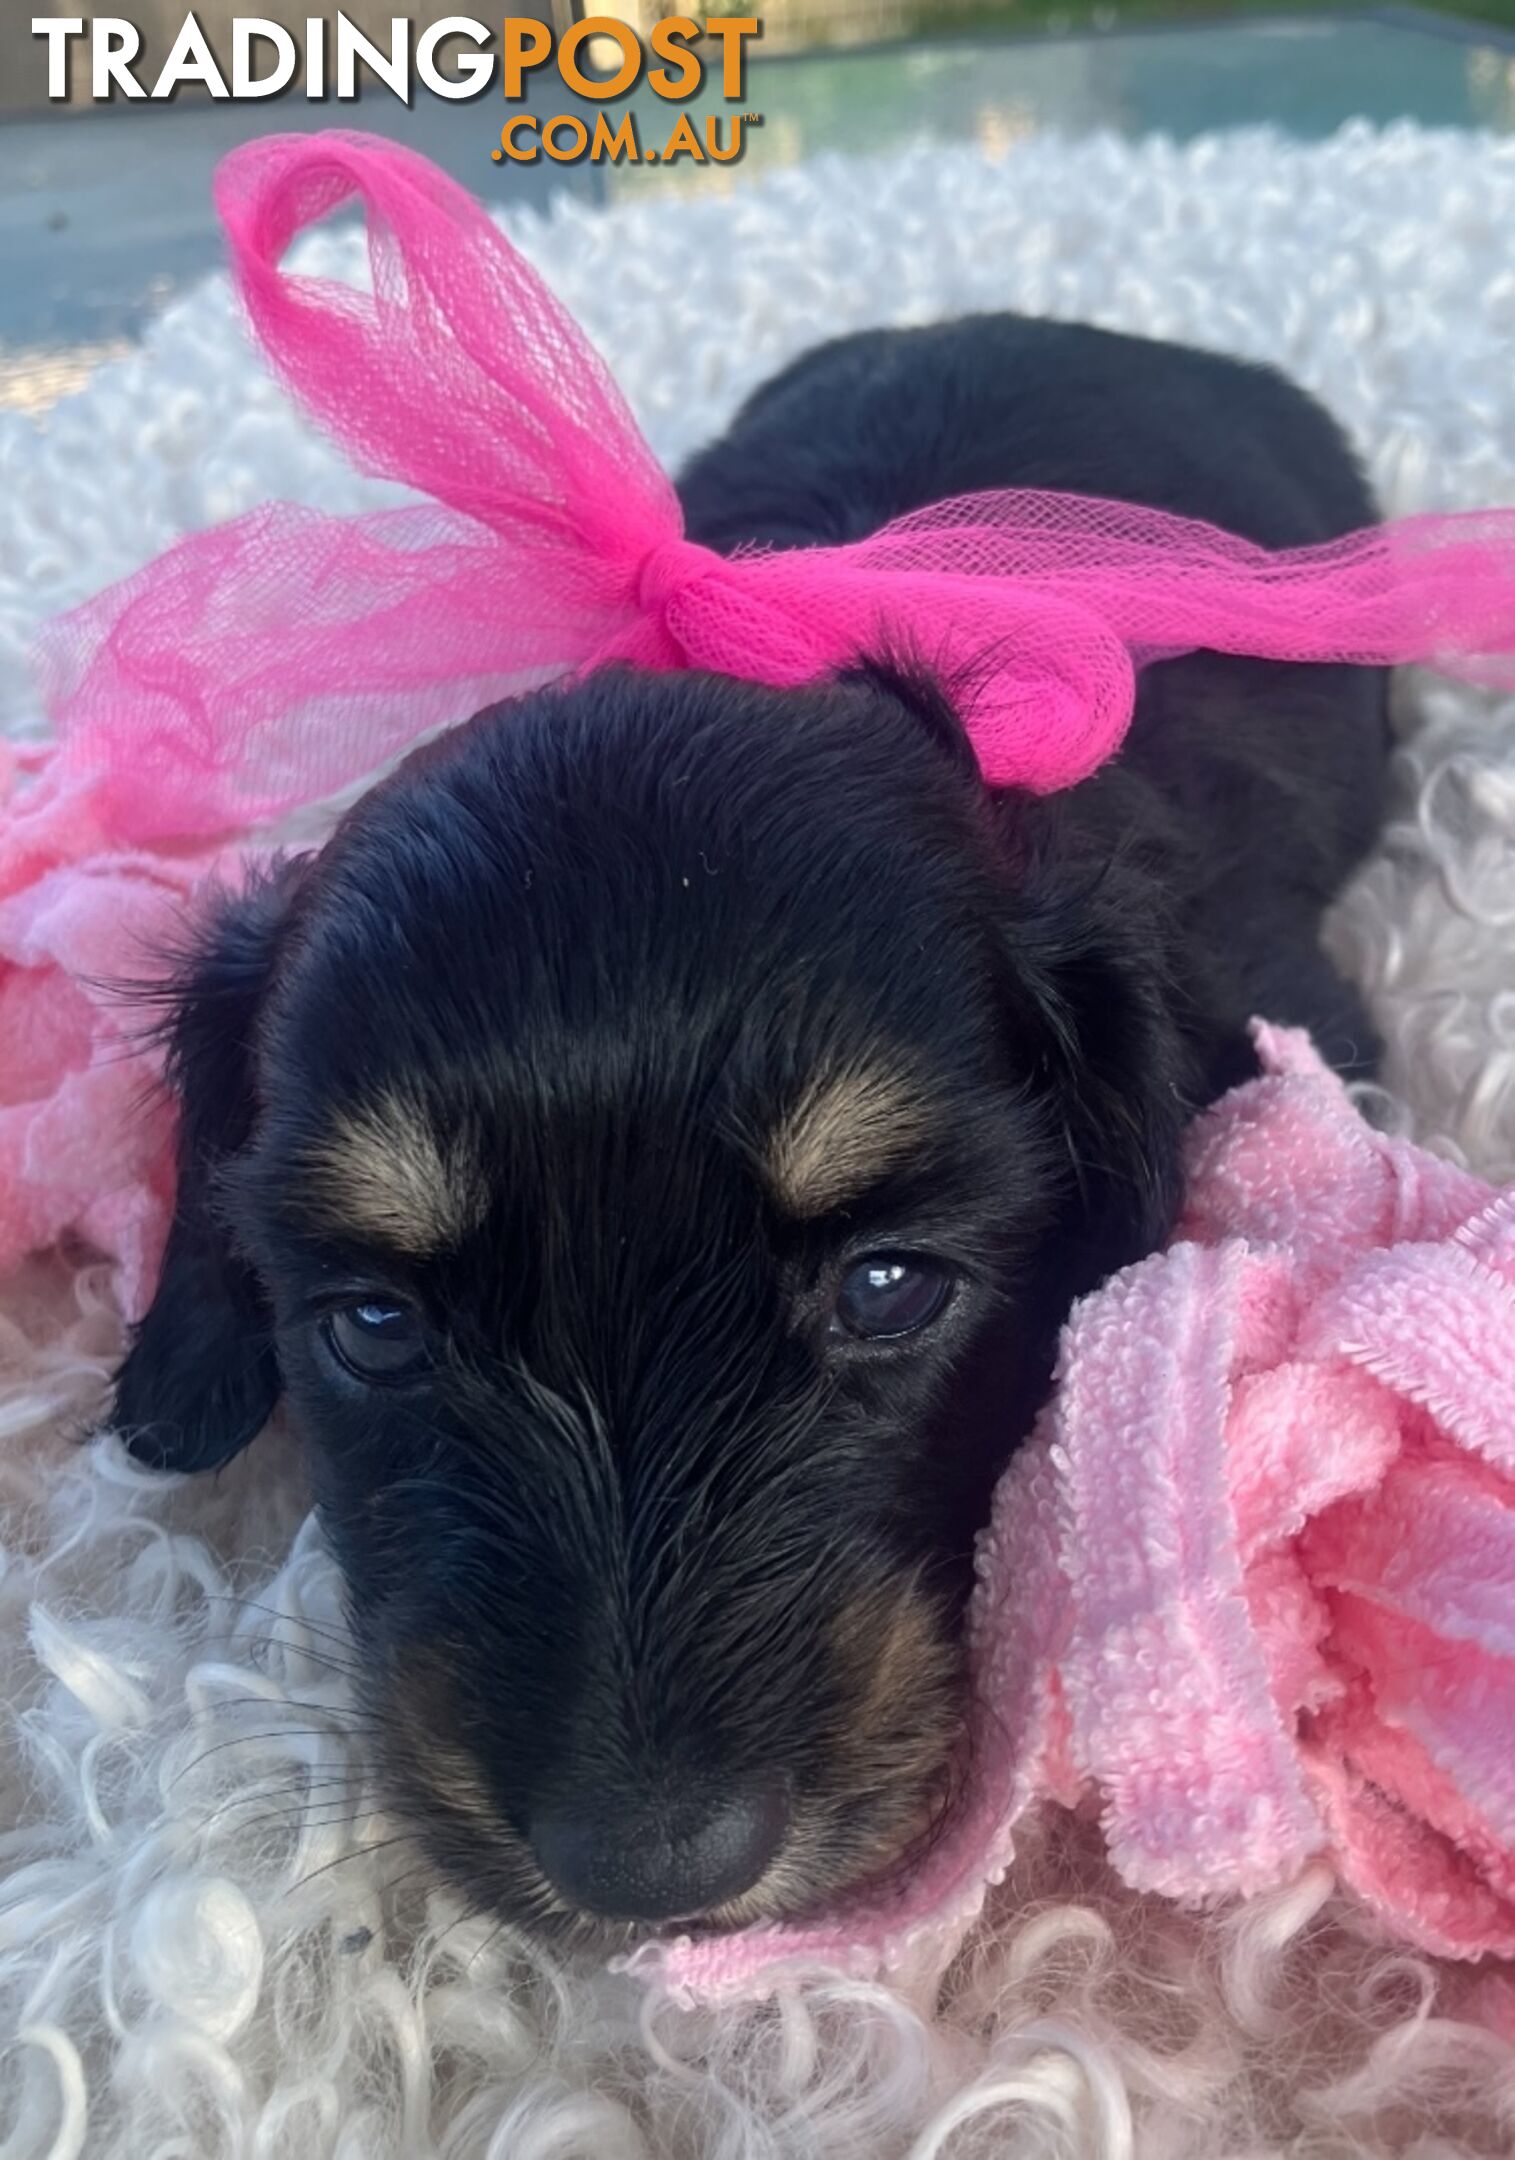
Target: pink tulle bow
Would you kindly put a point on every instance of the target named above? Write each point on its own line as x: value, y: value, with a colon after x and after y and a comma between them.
x: 1251, y: 1584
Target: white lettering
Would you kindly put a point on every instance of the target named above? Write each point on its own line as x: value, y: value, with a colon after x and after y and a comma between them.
x: 190, y: 60
x: 474, y: 69
x: 57, y: 29
x: 246, y: 30
x: 115, y: 44
x: 392, y: 67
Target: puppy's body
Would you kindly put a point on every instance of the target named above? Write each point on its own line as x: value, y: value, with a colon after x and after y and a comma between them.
x: 1256, y: 786
x: 651, y: 1149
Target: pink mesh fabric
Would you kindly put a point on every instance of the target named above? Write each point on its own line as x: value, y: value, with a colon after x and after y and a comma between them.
x: 1251, y: 1584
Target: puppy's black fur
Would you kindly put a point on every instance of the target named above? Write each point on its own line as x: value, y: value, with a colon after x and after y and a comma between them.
x: 609, y: 1036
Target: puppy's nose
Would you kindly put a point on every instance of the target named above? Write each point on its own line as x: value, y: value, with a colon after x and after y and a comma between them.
x: 667, y: 1862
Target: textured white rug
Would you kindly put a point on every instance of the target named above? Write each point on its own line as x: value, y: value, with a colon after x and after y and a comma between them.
x: 209, y: 1944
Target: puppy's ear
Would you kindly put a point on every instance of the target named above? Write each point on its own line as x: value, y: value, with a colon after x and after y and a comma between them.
x: 1122, y: 1057
x: 200, y: 1378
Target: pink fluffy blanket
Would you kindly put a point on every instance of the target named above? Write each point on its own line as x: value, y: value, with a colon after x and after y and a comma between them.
x: 1253, y: 1581
x: 1251, y: 1584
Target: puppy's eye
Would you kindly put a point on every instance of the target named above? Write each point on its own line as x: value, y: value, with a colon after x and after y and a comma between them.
x: 891, y: 1294
x: 377, y: 1340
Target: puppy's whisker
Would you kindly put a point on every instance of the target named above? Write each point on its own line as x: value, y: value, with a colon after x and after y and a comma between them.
x: 348, y: 1668
x: 334, y: 1711
x: 281, y: 1614
x: 301, y: 1800
x: 294, y: 1824
x: 267, y: 1738
x: 359, y: 1852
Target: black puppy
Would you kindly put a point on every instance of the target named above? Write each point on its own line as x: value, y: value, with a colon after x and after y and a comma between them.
x: 651, y: 1148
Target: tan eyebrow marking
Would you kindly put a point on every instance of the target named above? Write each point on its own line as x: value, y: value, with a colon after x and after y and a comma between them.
x: 384, y: 1172
x: 846, y: 1129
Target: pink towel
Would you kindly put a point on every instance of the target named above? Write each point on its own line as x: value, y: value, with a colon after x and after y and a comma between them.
x: 86, y: 1139
x: 1252, y: 1581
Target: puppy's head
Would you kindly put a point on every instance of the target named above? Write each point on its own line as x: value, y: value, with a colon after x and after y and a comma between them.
x: 648, y: 1151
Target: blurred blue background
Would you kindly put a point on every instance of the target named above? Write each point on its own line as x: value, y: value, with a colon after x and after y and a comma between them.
x: 105, y: 209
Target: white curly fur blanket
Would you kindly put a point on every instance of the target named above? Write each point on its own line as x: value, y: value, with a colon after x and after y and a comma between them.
x: 210, y: 1945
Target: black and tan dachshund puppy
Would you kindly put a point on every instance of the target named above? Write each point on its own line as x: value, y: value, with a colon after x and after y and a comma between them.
x: 650, y: 1149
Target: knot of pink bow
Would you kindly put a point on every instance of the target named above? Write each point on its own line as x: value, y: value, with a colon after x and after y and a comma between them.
x: 667, y: 569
